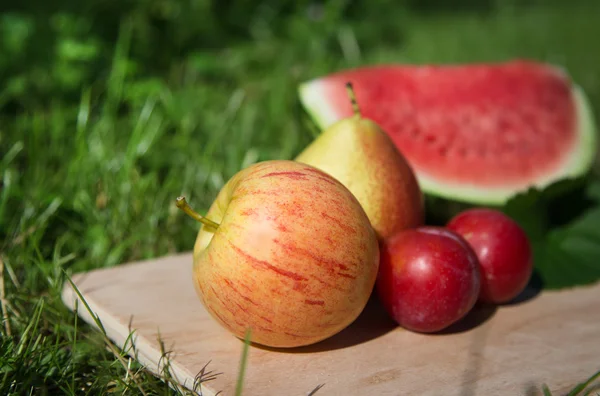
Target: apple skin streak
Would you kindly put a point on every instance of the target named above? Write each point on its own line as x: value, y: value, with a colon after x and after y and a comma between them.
x: 291, y: 175
x: 317, y: 172
x: 298, y: 175
x: 248, y: 212
x: 235, y: 289
x: 265, y: 264
x: 228, y: 307
x: 330, y: 264
x: 343, y: 226
x: 295, y: 257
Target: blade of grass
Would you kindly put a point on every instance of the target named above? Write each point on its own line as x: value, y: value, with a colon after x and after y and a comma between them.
x: 165, y: 372
x: 314, y: 391
x: 33, y: 323
x: 243, y: 363
x: 74, y: 346
x: 118, y: 70
x: 581, y: 386
x: 546, y: 390
x: 109, y: 343
x: 4, y: 302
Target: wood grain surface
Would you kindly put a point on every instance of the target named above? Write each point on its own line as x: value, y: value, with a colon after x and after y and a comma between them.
x: 549, y: 337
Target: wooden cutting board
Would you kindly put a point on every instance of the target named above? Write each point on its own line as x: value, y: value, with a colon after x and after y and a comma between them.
x: 551, y: 338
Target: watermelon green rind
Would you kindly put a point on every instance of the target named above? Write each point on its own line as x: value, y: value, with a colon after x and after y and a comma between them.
x: 315, y: 105
x: 588, y: 133
x: 581, y: 158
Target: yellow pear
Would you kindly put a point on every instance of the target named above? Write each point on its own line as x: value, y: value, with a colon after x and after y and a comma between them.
x: 360, y: 154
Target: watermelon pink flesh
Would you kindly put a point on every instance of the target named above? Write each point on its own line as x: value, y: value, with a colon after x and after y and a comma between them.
x: 480, y: 132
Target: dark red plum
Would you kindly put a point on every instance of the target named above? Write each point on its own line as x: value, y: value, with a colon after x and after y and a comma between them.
x: 428, y: 279
x: 503, y: 250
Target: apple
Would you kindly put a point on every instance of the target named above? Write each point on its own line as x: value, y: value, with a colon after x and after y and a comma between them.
x: 286, y: 251
x: 428, y: 278
x: 503, y: 250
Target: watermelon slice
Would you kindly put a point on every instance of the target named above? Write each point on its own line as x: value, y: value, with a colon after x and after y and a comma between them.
x: 477, y: 133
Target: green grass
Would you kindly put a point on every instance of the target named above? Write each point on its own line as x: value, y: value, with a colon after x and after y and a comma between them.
x: 109, y: 111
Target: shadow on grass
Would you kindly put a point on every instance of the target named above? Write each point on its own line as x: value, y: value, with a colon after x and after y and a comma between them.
x: 372, y: 323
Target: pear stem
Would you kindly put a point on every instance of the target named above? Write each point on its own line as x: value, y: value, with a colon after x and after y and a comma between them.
x: 352, y: 96
x: 183, y: 205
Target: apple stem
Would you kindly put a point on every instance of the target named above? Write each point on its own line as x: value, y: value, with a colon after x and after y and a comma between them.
x: 352, y: 97
x: 183, y: 205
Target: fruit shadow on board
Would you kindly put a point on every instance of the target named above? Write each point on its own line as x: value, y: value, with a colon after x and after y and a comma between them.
x: 481, y: 312
x: 478, y: 315
x: 372, y: 323
x: 533, y: 289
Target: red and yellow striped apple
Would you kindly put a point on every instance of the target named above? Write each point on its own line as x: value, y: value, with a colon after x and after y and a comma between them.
x: 287, y: 251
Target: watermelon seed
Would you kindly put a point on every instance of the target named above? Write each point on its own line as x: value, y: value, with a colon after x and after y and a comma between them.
x: 430, y: 139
